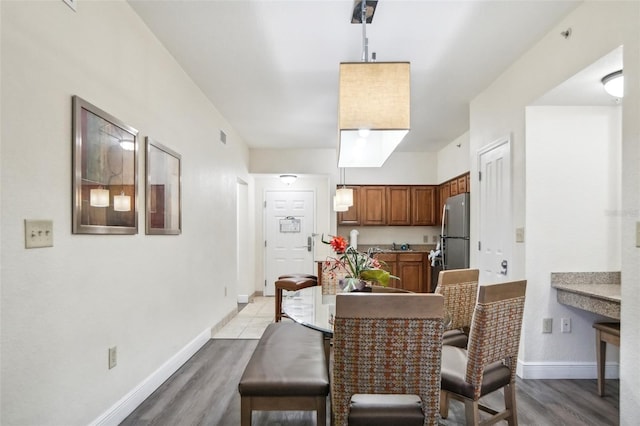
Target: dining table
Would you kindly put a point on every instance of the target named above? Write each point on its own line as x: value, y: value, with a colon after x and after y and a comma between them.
x: 311, y: 308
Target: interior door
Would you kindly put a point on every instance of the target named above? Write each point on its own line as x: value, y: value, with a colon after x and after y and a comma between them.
x: 495, y: 212
x: 289, y: 227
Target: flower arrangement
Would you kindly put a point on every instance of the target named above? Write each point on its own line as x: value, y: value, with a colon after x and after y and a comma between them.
x: 358, y: 266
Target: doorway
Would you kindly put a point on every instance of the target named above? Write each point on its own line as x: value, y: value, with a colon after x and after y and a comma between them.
x: 289, y: 218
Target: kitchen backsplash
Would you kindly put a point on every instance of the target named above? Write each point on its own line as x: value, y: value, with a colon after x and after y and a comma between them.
x: 387, y: 235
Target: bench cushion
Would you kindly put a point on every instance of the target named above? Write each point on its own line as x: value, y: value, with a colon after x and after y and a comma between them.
x: 288, y: 361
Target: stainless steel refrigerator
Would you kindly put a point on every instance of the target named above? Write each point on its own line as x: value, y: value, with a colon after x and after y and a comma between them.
x: 455, y: 232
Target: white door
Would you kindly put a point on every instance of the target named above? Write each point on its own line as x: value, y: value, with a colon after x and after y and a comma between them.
x: 495, y: 212
x: 289, y: 227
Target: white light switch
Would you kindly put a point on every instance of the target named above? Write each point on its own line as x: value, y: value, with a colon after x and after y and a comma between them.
x: 519, y: 235
x: 38, y: 233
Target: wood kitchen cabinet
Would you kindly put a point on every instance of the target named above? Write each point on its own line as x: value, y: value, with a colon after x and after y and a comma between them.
x: 392, y: 205
x: 374, y: 205
x: 455, y: 186
x: 398, y: 205
x: 351, y: 216
x: 423, y: 205
x: 412, y: 268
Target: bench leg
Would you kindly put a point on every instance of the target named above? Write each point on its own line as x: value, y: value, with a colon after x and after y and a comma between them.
x: 321, y: 411
x: 245, y: 411
x: 601, y: 357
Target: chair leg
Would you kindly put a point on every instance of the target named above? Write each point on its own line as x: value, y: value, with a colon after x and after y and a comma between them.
x: 278, y: 304
x: 472, y: 412
x: 444, y: 404
x: 510, y: 404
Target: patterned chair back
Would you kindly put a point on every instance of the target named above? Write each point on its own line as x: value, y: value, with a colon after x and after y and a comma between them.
x: 331, y: 275
x: 459, y: 288
x: 495, y: 330
x: 387, y: 343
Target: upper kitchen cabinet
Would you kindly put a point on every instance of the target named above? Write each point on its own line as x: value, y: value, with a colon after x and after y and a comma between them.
x: 352, y: 215
x: 392, y: 205
x: 374, y: 205
x: 398, y: 205
x: 455, y: 186
x: 423, y: 206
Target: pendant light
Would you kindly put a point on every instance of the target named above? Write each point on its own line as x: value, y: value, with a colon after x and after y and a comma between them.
x: 338, y: 207
x: 374, y: 107
x: 344, y: 195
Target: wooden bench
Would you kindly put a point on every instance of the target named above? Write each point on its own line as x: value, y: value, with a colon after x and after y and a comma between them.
x: 606, y: 332
x: 287, y: 371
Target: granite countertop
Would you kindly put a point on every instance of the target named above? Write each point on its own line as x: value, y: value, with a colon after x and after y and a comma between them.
x: 419, y: 248
x: 597, y: 292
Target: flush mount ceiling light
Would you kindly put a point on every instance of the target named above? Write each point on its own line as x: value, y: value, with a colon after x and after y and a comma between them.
x: 374, y: 108
x: 288, y: 179
x: 614, y: 84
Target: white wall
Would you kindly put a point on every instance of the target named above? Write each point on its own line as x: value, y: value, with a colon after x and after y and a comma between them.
x: 597, y: 29
x: 63, y: 307
x: 573, y: 182
x: 454, y: 158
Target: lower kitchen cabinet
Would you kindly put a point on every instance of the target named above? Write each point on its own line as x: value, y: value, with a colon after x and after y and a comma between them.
x: 412, y: 269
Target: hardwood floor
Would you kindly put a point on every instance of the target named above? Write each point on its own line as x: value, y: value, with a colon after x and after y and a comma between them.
x: 204, y: 391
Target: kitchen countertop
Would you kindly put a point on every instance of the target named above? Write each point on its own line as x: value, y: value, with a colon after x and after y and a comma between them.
x: 597, y: 292
x: 420, y: 248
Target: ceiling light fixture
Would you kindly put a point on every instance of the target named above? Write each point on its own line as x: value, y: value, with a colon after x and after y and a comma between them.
x: 374, y: 105
x: 288, y: 179
x: 614, y: 84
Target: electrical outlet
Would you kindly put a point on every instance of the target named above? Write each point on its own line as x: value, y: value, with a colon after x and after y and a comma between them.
x: 519, y: 235
x: 565, y: 325
x: 435, y: 238
x: 113, y: 357
x: 547, y: 325
x: 425, y: 238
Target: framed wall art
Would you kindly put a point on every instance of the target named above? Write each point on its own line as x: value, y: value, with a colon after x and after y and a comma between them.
x: 164, y: 204
x: 105, y: 172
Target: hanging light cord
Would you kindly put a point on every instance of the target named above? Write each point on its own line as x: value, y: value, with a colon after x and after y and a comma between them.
x: 365, y: 41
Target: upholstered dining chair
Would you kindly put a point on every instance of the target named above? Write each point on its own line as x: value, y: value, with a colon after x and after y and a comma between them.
x: 386, y: 359
x: 460, y: 289
x: 489, y: 363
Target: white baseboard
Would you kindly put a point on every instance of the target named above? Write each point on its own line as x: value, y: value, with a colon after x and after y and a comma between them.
x: 125, y: 406
x: 565, y: 370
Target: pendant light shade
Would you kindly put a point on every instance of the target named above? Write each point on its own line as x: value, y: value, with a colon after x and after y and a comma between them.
x: 344, y: 196
x: 338, y: 207
x: 374, y: 111
x: 99, y: 197
x: 122, y: 203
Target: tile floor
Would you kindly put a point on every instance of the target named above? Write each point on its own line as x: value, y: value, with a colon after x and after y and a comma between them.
x: 251, y: 321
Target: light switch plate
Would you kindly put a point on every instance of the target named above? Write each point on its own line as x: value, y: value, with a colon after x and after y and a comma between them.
x: 519, y: 235
x: 38, y: 233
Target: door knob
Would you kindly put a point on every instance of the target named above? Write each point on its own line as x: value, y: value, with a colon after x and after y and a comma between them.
x: 503, y: 265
